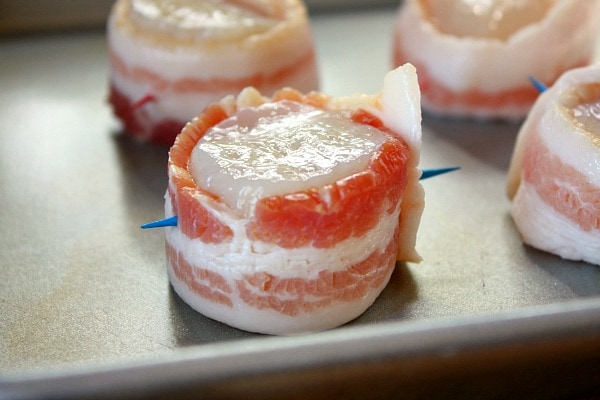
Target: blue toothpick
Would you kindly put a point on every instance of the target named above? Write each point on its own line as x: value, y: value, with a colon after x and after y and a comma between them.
x: 538, y: 85
x: 161, y: 223
x: 429, y: 173
x: 172, y: 221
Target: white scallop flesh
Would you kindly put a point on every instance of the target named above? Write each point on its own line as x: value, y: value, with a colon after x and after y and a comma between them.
x: 280, y: 148
x: 583, y: 104
x: 201, y: 20
x: 497, y: 19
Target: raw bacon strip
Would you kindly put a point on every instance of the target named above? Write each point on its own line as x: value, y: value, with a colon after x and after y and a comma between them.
x: 185, y: 55
x: 292, y: 296
x: 477, y: 64
x: 554, y: 177
x: 333, y: 213
x: 558, y: 184
x: 296, y: 259
x: 195, y: 220
x: 201, y: 281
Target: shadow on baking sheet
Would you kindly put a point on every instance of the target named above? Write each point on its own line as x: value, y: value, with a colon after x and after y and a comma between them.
x: 144, y: 168
x: 491, y: 142
x: 143, y: 176
x: 575, y: 278
x: 395, y: 300
x: 192, y: 328
x: 582, y: 278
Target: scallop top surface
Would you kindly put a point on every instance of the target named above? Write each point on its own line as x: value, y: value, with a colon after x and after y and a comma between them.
x: 208, y: 20
x: 582, y: 104
x: 280, y: 148
x: 489, y: 19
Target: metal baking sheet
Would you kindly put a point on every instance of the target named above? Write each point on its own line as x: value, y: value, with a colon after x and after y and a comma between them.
x: 86, y: 309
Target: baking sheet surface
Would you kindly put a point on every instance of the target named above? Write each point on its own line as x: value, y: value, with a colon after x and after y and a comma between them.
x: 82, y: 285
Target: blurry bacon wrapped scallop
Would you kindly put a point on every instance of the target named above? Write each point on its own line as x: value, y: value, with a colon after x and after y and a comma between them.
x: 171, y: 58
x: 474, y: 58
x: 292, y: 210
x: 554, y: 176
